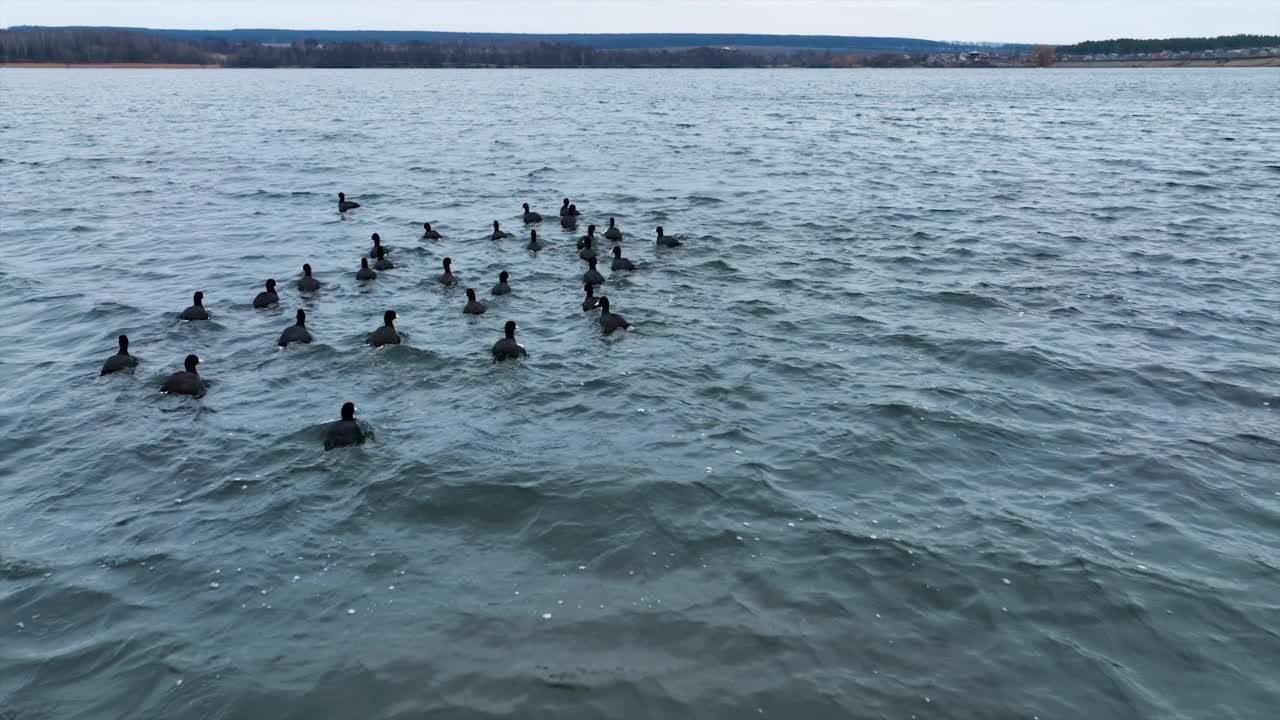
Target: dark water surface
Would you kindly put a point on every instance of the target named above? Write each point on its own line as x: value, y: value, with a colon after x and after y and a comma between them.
x: 960, y: 400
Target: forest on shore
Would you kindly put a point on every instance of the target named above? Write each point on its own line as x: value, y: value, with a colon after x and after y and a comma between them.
x: 411, y: 49
x: 1130, y: 46
x: 75, y: 46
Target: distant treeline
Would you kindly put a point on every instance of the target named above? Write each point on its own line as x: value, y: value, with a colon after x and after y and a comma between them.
x: 599, y: 41
x: 892, y: 60
x: 1129, y: 46
x: 96, y: 46
x: 534, y: 55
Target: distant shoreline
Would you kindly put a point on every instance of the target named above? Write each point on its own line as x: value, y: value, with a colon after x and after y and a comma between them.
x: 121, y: 48
x: 114, y: 66
x: 1097, y: 64
x: 1192, y: 63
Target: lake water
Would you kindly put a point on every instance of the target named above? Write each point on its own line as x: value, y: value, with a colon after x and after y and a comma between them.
x: 961, y: 399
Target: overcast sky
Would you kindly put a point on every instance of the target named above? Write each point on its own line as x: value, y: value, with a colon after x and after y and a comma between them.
x: 1051, y: 21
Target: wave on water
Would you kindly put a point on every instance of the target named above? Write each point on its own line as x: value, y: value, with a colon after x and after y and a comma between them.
x: 891, y: 394
x: 965, y: 299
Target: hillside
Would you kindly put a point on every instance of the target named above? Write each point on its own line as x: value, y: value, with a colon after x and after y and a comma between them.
x: 1130, y: 46
x: 341, y: 49
x: 614, y: 41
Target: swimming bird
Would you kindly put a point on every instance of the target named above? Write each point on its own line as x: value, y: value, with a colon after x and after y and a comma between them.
x: 121, y: 360
x: 382, y: 263
x: 385, y: 335
x: 365, y: 272
x: 307, y: 283
x: 666, y: 240
x: 447, y: 277
x: 571, y: 219
x: 534, y: 244
x: 377, y: 243
x: 612, y: 233
x: 592, y: 275
x: 564, y: 208
x: 590, y: 302
x: 473, y: 306
x: 345, y: 432
x: 619, y: 262
x: 196, y: 311
x: 587, y: 252
x: 345, y: 205
x: 531, y: 216
x: 428, y: 233
x: 611, y: 321
x: 589, y: 238
x: 502, y: 288
x: 507, y: 348
x: 185, y: 382
x: 296, y: 333
x: 498, y: 233
x: 268, y: 297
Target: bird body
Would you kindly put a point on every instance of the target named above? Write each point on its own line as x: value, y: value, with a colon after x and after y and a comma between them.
x: 502, y: 288
x: 666, y: 240
x: 196, y: 311
x: 268, y: 297
x: 610, y: 321
x: 345, y: 432
x: 186, y: 381
x: 507, y: 348
x: 619, y: 262
x: 122, y: 360
x: 384, y: 335
x: 382, y: 263
x: 473, y: 306
x: 296, y: 333
x: 307, y: 283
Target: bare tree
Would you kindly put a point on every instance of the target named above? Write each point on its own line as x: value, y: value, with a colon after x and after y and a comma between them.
x: 1043, y: 55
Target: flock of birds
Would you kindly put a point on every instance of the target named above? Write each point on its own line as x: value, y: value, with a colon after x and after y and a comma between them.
x: 347, y: 431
